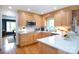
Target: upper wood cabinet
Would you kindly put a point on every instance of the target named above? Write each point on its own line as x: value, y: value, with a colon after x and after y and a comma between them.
x: 57, y: 19
x: 39, y: 20
x: 63, y: 18
x: 75, y: 14
x: 66, y: 18
x: 25, y: 16
x: 22, y: 18
x: 29, y: 16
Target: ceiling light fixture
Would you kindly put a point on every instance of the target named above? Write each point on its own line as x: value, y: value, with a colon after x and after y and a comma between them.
x: 10, y: 7
x: 55, y: 8
x: 28, y: 9
x: 42, y: 12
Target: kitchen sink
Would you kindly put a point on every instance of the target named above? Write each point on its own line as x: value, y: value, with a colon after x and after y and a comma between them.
x: 54, y: 34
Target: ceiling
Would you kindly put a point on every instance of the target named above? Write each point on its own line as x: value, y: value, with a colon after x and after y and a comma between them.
x: 39, y: 9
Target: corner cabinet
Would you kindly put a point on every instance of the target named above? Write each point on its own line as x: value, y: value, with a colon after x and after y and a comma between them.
x: 39, y: 20
x: 26, y: 39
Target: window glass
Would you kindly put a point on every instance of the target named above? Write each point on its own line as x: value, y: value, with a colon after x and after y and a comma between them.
x: 50, y: 23
x: 10, y: 26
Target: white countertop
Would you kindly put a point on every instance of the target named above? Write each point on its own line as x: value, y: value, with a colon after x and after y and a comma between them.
x: 26, y: 32
x: 57, y: 41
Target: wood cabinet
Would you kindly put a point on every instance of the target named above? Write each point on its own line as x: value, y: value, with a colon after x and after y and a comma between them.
x: 37, y: 36
x: 27, y: 16
x: 39, y: 20
x: 63, y: 18
x: 29, y: 38
x: 26, y: 39
x: 45, y: 34
x: 45, y: 49
x: 23, y: 40
x: 22, y: 19
x: 57, y: 20
x: 67, y: 17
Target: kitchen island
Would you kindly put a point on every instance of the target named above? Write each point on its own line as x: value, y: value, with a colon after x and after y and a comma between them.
x: 57, y: 43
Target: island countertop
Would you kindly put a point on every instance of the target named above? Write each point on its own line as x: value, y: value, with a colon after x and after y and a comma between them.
x: 70, y: 45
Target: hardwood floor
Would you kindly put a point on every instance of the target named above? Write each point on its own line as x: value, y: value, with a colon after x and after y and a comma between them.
x: 31, y: 49
x: 10, y: 48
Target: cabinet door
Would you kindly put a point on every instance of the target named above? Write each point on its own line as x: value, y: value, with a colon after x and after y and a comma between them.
x: 57, y: 18
x: 30, y: 39
x: 45, y: 49
x: 45, y: 34
x: 39, y: 21
x: 22, y: 40
x: 63, y: 18
x: 37, y: 36
x: 66, y: 18
x: 29, y: 16
x: 22, y: 18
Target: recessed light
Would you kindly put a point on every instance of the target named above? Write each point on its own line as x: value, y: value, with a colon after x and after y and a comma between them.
x: 28, y: 9
x: 55, y: 8
x: 10, y: 7
x: 42, y: 12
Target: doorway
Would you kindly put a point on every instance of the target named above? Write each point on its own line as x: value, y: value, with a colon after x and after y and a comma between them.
x: 9, y: 30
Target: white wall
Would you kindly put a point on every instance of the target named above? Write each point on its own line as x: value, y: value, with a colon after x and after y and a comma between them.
x: 8, y: 17
x: 0, y: 29
x: 17, y: 41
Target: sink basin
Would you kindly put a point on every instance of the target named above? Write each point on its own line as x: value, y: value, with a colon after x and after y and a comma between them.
x: 53, y: 34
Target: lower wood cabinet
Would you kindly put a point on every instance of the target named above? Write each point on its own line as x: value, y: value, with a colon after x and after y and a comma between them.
x: 22, y: 40
x: 45, y: 49
x: 26, y: 39
x: 45, y: 34
x: 37, y: 36
x: 29, y: 38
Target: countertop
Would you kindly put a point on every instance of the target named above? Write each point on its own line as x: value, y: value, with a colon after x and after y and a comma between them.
x: 70, y: 45
x: 24, y: 32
